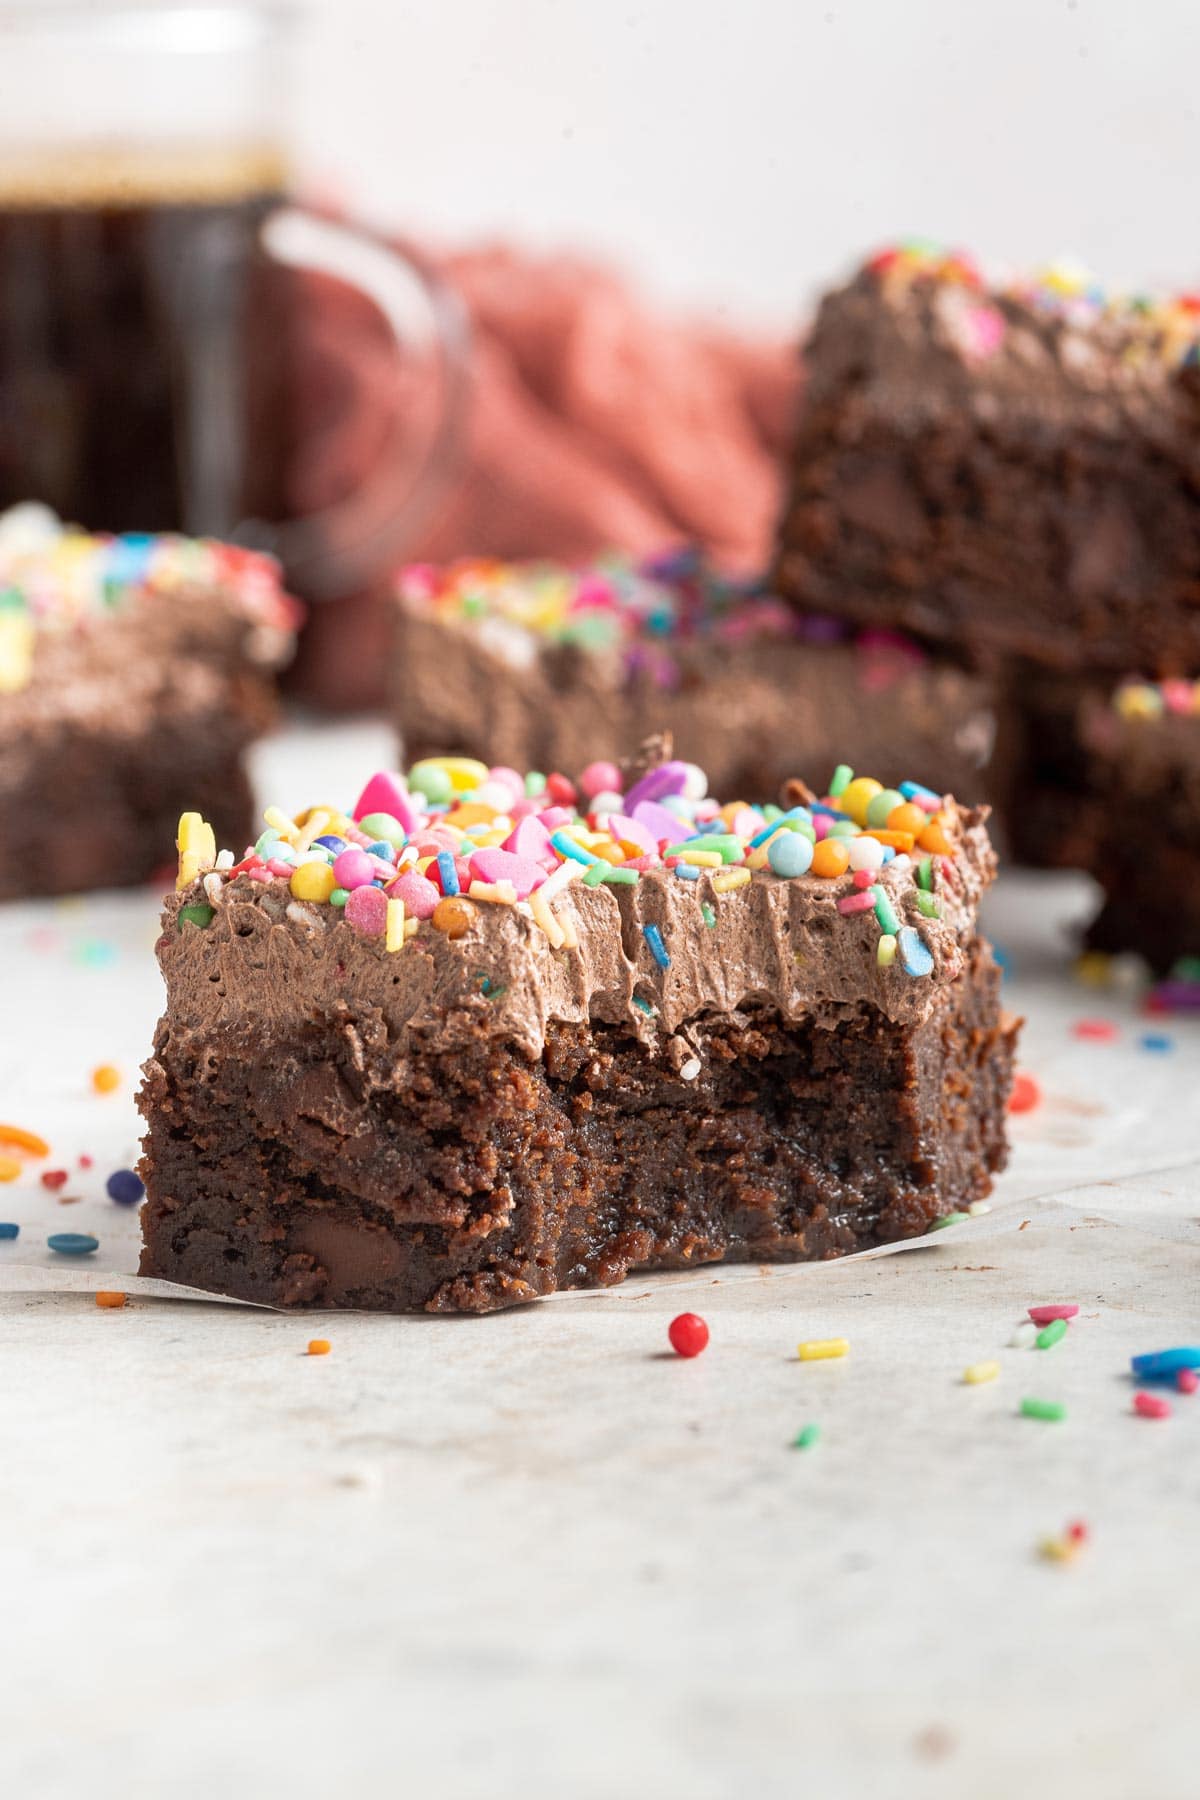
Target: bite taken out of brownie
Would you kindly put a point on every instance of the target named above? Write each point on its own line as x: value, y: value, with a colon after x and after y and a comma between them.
x: 544, y: 666
x: 1001, y: 469
x: 134, y: 673
x: 481, y: 1038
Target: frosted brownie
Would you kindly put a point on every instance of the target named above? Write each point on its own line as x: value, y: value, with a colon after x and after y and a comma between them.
x: 134, y: 671
x: 1001, y: 469
x: 541, y: 666
x: 1109, y: 782
x: 464, y: 1045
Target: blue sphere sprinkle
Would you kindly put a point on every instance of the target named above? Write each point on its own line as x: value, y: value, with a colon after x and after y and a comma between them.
x: 124, y: 1187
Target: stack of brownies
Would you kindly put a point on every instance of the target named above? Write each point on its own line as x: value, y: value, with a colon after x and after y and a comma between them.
x: 1012, y: 474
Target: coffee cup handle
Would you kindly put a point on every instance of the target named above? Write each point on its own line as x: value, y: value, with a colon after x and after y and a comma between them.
x: 343, y: 547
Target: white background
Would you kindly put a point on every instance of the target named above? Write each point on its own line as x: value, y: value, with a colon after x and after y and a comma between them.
x: 743, y: 153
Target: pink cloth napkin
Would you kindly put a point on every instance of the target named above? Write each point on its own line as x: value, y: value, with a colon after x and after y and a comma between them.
x: 595, y: 422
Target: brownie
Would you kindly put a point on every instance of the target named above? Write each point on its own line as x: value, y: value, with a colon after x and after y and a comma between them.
x: 543, y: 666
x: 1109, y: 782
x: 1005, y: 470
x: 642, y: 1039
x: 134, y: 671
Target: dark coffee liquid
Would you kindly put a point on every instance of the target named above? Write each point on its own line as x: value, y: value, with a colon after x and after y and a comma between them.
x: 143, y: 360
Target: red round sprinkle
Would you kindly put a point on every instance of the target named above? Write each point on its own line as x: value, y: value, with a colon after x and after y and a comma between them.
x: 560, y: 791
x: 688, y: 1334
x: 1077, y: 1532
x: 1187, y: 1381
x: 86, y: 1161
x: 1026, y: 1094
x: 1099, y: 1031
x: 1151, y: 1406
x: 54, y: 1178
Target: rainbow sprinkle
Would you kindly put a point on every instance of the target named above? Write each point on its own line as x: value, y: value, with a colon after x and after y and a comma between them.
x: 640, y: 610
x: 54, y: 577
x: 1164, y: 328
x: 424, y: 851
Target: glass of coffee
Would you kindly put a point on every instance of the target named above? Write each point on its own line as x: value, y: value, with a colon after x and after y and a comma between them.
x: 146, y: 335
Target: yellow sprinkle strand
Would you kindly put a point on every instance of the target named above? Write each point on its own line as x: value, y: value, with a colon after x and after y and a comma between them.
x: 501, y: 893
x: 885, y: 953
x: 700, y: 859
x: 566, y: 921
x: 540, y: 907
x: 822, y: 1349
x: 394, y: 932
x: 279, y: 821
x: 733, y: 878
x: 1057, y: 1549
x: 975, y: 1373
x: 197, y: 847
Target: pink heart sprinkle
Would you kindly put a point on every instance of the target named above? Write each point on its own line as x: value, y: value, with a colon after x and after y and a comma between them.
x: 502, y: 865
x: 632, y: 831
x: 530, y: 839
x: 386, y: 793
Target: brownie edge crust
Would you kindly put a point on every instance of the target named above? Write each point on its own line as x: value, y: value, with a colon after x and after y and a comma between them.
x: 312, y: 1171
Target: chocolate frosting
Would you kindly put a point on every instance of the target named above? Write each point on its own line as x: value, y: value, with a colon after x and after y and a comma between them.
x: 267, y: 963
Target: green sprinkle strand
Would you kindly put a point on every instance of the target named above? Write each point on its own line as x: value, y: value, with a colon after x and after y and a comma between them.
x: 885, y: 912
x: 1049, y: 1335
x: 843, y: 775
x: 806, y: 1437
x: 707, y: 913
x: 928, y: 905
x: 951, y: 1218
x: 925, y: 874
x: 196, y: 915
x: 1052, y: 1410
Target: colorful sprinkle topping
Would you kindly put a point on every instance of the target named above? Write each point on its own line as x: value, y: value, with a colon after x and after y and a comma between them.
x: 1137, y: 699
x: 54, y: 576
x: 456, y: 835
x: 642, y: 610
x: 1164, y: 328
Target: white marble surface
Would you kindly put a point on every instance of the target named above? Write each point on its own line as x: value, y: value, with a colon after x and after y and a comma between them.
x: 534, y: 1555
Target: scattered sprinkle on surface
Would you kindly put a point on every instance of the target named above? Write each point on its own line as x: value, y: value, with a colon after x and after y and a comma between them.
x: 688, y: 1334
x: 125, y: 1187
x: 1026, y: 1093
x: 319, y: 1347
x: 1050, y: 1410
x: 73, y: 1243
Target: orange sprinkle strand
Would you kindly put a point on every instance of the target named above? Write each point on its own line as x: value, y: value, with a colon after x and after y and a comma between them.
x: 17, y: 1139
x: 319, y: 1346
x: 106, y: 1079
x: 107, y: 1297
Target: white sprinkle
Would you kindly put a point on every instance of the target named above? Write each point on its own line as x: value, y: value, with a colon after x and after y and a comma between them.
x: 212, y: 888
x: 690, y: 1069
x: 224, y: 860
x: 979, y: 1207
x: 1025, y: 1336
